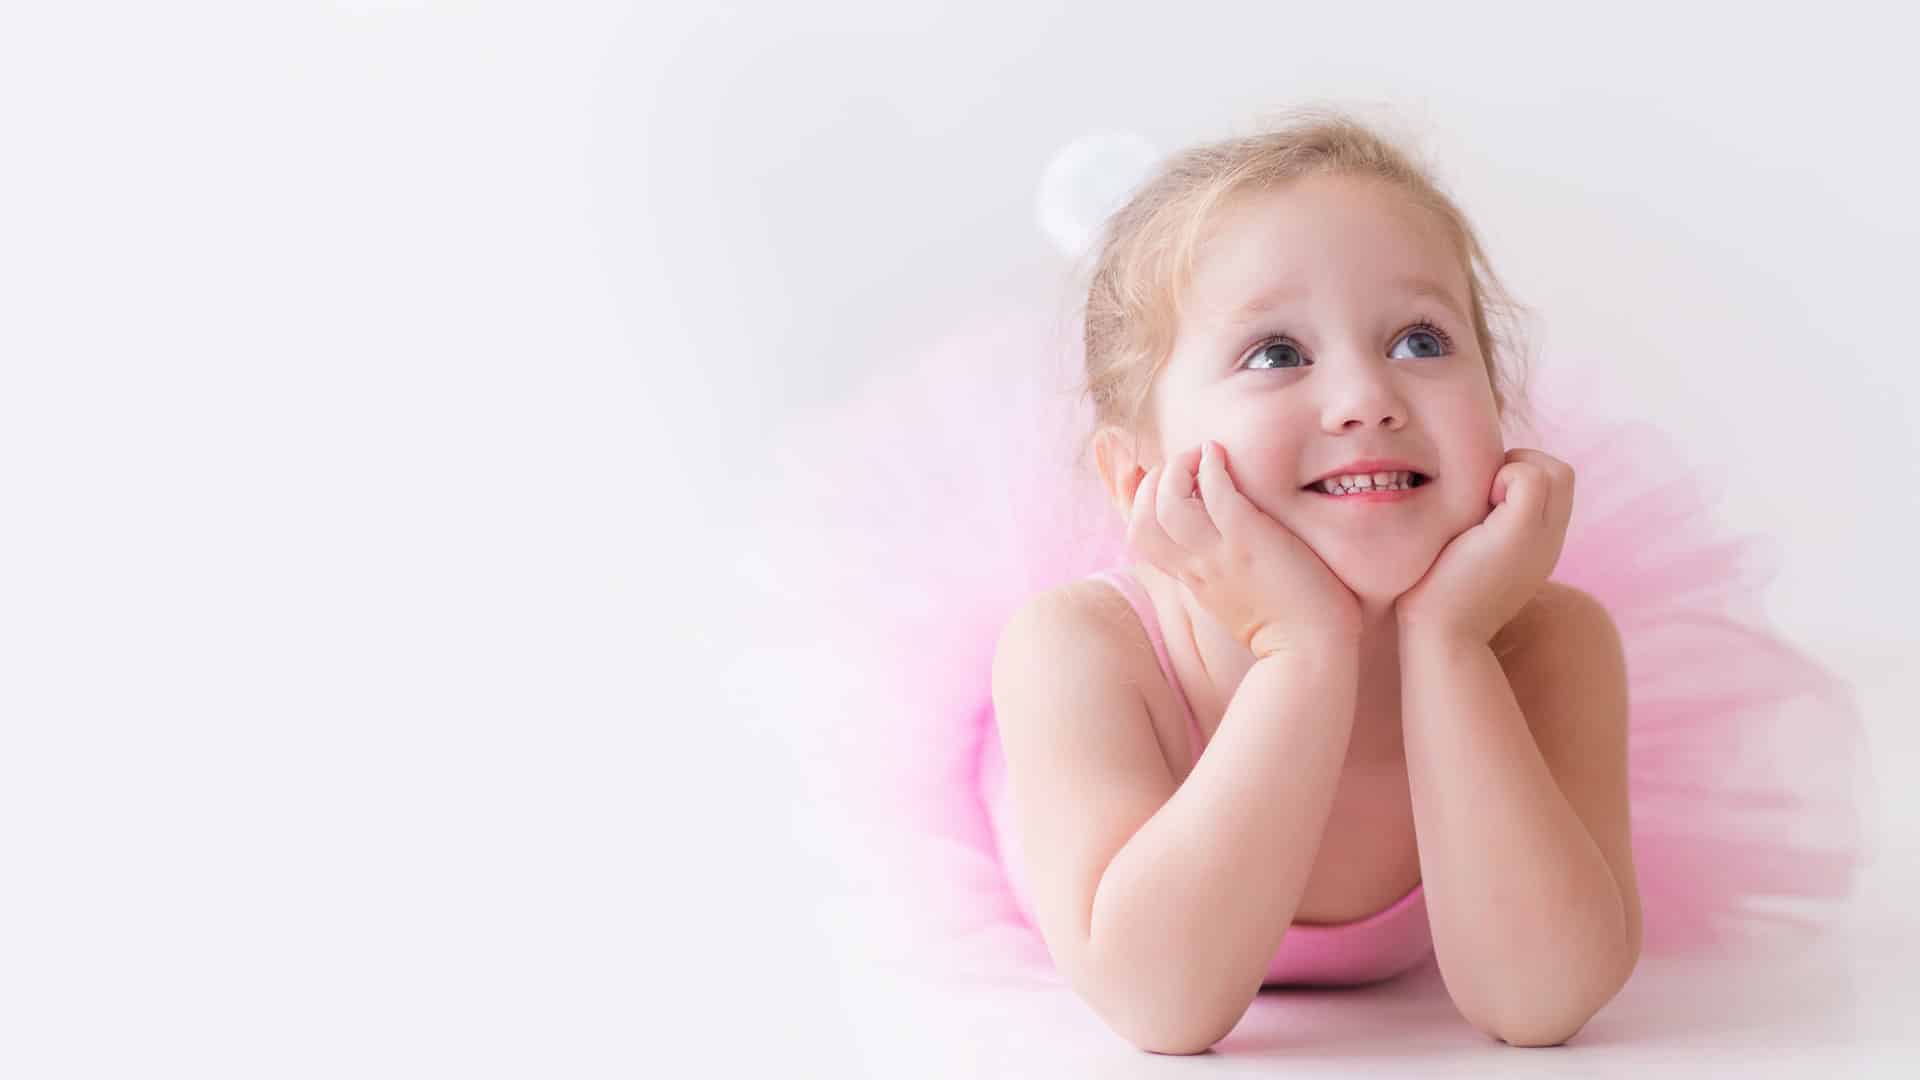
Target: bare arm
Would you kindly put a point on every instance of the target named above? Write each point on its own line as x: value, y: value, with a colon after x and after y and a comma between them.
x: 1190, y: 912
x: 1165, y: 905
x: 1500, y: 831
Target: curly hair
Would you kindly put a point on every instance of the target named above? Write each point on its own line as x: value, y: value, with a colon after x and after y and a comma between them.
x: 1142, y: 261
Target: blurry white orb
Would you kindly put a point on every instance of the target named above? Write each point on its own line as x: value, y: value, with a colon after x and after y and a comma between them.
x: 1088, y: 180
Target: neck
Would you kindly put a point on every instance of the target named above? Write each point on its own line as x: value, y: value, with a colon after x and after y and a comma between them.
x: 1376, y: 733
x: 1379, y: 630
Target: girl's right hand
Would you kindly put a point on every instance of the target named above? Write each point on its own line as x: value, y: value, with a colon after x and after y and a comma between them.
x: 1263, y: 583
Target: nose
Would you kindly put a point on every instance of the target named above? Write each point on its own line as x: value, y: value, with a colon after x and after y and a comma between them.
x: 1362, y: 397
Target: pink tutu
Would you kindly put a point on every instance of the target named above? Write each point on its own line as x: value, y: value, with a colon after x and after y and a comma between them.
x: 902, y: 527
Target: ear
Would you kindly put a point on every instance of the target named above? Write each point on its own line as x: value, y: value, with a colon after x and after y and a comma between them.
x: 1116, y: 454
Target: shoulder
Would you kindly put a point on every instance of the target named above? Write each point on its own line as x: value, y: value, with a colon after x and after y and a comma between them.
x: 1082, y: 626
x: 1556, y: 610
x: 1074, y: 641
x: 1564, y: 642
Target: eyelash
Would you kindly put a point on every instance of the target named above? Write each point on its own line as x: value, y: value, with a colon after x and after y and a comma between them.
x: 1422, y: 324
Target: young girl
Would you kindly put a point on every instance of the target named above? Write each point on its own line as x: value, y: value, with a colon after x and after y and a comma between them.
x: 1347, y: 702
x: 1302, y: 706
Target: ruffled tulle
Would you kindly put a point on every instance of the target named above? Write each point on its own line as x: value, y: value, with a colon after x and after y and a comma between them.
x: 899, y: 529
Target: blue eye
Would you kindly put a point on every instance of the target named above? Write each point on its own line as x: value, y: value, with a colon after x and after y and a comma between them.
x: 1274, y: 343
x: 1424, y: 330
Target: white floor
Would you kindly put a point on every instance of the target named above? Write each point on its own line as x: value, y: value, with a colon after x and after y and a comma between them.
x: 1841, y: 1004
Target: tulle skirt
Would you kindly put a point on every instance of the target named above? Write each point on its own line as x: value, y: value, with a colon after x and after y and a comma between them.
x: 898, y: 529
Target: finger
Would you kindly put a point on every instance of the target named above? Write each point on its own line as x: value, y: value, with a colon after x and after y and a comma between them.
x: 1144, y: 535
x: 1504, y: 480
x: 1531, y: 486
x: 1543, y: 480
x: 1563, y: 500
x: 1559, y: 477
x: 1176, y: 474
x: 1182, y: 513
x: 1556, y: 472
x: 1503, y: 503
x: 1526, y: 491
x: 1225, y: 505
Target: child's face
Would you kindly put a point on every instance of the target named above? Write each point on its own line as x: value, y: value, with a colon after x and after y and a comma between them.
x: 1351, y: 379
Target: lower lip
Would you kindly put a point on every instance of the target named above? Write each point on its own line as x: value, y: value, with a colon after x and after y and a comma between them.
x: 1374, y: 496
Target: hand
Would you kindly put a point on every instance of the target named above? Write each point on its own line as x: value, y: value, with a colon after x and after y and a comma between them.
x: 1249, y: 571
x: 1485, y: 575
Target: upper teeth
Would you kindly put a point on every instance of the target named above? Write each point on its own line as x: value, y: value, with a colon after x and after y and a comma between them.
x: 1366, y: 481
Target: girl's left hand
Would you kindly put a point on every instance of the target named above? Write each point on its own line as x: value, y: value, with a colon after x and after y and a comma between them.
x: 1485, y: 575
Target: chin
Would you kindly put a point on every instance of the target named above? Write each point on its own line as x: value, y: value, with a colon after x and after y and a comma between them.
x: 1377, y: 590
x: 1384, y: 578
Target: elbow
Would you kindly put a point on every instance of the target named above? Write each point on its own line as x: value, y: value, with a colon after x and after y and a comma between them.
x: 1544, y: 1021
x: 1523, y: 1033
x: 1151, y: 1019
x: 1535, y: 1025
x: 1523, y: 1025
x: 1172, y: 1033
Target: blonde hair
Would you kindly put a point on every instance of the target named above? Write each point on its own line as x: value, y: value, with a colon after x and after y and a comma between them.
x: 1143, y: 259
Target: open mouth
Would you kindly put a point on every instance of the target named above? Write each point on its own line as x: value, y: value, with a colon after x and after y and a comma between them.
x: 1414, y: 480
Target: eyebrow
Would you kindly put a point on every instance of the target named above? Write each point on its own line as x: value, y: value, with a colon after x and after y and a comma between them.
x: 1273, y: 298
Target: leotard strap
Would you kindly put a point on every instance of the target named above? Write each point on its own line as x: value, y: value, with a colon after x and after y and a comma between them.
x: 1142, y: 605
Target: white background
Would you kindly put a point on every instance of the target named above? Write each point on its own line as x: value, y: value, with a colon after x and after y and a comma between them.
x: 380, y: 381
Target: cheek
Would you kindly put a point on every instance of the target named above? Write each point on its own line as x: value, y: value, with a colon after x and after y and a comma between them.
x: 1265, y: 469
x: 1469, y: 497
x: 1476, y: 454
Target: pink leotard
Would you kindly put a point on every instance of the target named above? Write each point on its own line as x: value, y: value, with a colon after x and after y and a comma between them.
x: 1377, y: 947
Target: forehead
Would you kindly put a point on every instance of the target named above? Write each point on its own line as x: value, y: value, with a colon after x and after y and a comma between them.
x: 1265, y: 249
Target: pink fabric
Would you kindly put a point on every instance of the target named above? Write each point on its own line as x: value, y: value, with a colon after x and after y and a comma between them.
x: 900, y: 527
x: 1377, y: 947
